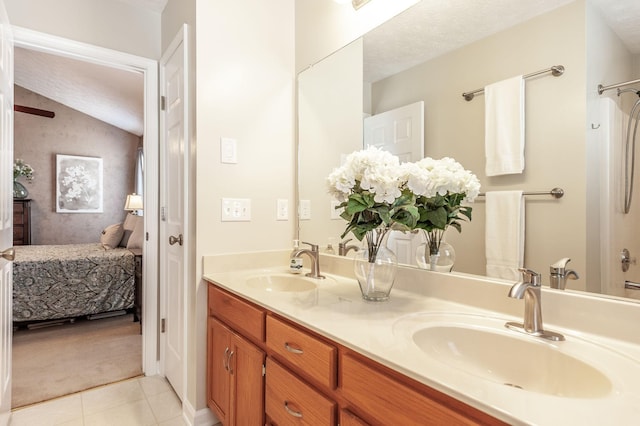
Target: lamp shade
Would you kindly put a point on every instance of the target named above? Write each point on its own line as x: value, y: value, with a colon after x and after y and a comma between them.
x: 134, y: 202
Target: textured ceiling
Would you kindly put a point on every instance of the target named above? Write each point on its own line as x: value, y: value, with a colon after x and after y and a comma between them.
x: 427, y: 30
x: 434, y: 27
x: 624, y: 17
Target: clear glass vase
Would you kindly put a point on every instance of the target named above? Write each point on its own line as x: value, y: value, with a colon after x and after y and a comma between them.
x: 375, y: 267
x: 19, y: 191
x: 440, y: 261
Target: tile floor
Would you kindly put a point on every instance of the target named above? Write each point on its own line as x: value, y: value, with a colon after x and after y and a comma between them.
x: 135, y: 402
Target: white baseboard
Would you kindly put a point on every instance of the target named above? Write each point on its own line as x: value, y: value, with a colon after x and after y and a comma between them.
x: 203, y: 417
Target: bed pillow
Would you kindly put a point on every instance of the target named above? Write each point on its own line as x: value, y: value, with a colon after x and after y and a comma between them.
x: 111, y: 236
x: 128, y: 226
x: 135, y: 240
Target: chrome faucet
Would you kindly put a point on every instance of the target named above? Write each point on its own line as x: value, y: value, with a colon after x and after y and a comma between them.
x: 313, y: 254
x: 529, y: 289
x: 558, y: 274
x: 343, y: 248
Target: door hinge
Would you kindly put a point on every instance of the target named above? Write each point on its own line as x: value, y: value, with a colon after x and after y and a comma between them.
x: 264, y: 370
x: 162, y: 325
x: 163, y: 103
x: 163, y: 214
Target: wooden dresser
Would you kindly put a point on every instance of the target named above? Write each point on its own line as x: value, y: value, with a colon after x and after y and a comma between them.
x: 21, y: 222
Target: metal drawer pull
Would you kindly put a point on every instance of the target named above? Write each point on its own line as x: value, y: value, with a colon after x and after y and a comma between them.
x: 294, y: 413
x: 225, y: 360
x: 229, y: 362
x: 292, y: 349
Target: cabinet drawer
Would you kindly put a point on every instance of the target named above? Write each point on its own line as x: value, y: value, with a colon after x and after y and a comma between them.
x: 392, y: 402
x: 289, y: 401
x: 306, y: 354
x: 238, y: 314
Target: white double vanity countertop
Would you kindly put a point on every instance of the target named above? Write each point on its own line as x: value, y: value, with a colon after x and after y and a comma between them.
x: 447, y: 331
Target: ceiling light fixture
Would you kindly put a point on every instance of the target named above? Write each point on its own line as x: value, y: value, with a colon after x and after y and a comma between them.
x: 357, y: 4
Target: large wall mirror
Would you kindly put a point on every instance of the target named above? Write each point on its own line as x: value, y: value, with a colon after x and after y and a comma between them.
x: 574, y: 135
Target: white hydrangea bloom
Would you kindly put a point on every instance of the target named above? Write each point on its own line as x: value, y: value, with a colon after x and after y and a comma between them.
x: 429, y: 177
x: 376, y: 170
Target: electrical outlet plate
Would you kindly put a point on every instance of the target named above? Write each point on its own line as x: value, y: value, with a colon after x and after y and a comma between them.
x: 236, y: 210
x: 282, y: 209
x: 305, y: 209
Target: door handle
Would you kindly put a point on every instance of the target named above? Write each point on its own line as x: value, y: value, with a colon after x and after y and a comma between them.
x: 9, y: 254
x: 173, y: 240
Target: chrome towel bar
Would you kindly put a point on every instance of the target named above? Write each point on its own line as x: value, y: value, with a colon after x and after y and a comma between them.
x: 556, y: 71
x: 555, y: 193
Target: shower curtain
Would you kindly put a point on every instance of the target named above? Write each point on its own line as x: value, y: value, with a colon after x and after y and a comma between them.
x: 618, y: 230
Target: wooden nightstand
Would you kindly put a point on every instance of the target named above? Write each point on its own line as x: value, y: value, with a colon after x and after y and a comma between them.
x: 21, y: 222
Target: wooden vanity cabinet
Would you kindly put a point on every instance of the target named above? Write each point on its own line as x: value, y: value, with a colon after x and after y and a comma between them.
x: 235, y: 365
x: 310, y: 380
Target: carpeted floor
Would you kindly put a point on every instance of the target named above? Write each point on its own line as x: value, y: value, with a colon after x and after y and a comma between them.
x: 64, y: 359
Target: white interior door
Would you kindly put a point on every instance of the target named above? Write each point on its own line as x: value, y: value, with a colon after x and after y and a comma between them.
x: 6, y: 212
x: 401, y: 132
x: 173, y: 211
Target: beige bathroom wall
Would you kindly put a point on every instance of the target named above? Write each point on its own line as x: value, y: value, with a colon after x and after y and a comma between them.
x: 245, y: 91
x: 39, y: 139
x: 555, y: 130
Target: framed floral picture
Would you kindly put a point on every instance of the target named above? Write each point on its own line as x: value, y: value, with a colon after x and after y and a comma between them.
x: 78, y: 184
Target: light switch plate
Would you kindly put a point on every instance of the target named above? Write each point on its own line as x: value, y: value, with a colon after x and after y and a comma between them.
x: 228, y: 151
x: 236, y: 210
x: 282, y: 209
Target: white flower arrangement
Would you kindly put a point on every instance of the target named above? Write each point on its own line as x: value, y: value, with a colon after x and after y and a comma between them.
x: 377, y: 192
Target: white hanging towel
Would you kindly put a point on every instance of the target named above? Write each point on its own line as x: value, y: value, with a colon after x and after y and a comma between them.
x: 504, y: 127
x: 504, y: 235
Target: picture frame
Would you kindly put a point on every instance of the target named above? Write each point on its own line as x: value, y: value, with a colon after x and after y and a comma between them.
x: 79, y: 184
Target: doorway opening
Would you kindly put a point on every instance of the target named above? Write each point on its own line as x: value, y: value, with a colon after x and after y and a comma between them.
x: 125, y: 63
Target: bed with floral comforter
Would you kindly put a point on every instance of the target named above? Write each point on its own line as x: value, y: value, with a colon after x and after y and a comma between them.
x: 72, y: 280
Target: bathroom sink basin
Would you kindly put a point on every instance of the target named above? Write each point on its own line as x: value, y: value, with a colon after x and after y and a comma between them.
x: 482, y: 348
x: 287, y: 283
x: 524, y: 363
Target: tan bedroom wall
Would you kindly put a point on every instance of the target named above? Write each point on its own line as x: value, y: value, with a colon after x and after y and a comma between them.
x: 39, y: 139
